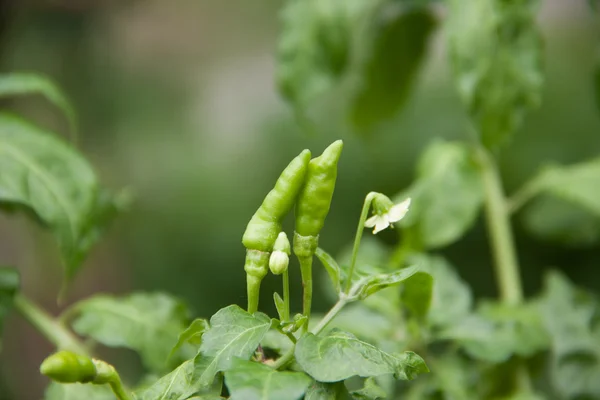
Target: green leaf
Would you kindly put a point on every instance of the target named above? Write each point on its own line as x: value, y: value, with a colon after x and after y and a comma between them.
x: 148, y: 323
x: 569, y: 211
x: 10, y: 281
x: 192, y: 335
x: 496, y: 52
x: 233, y: 333
x: 446, y: 196
x: 571, y: 317
x: 22, y: 83
x: 327, y: 391
x: 373, y: 284
x: 395, y: 44
x: 314, y: 50
x: 331, y: 266
x: 253, y: 381
x: 416, y: 294
x: 78, y: 391
x: 279, y: 305
x: 451, y: 299
x: 339, y: 355
x: 40, y: 173
x: 370, y: 391
x: 364, y: 323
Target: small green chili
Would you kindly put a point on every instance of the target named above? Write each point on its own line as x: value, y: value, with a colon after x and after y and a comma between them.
x: 312, y: 207
x: 266, y: 223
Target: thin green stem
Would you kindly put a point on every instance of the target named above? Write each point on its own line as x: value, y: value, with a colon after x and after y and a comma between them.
x: 359, y: 231
x: 285, y: 359
x: 253, y: 285
x: 119, y: 390
x: 307, y: 285
x: 286, y: 295
x: 501, y: 236
x: 522, y: 196
x: 56, y: 333
x: 329, y: 316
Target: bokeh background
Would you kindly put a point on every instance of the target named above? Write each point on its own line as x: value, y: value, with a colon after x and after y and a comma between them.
x: 177, y: 101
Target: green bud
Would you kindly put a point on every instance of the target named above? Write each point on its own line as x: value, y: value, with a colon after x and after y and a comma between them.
x: 315, y: 196
x: 278, y: 263
x: 67, y: 367
x: 282, y: 243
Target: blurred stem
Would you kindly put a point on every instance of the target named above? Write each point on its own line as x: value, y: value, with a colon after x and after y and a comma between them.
x: 307, y: 286
x: 359, y: 231
x: 501, y: 236
x: 119, y: 390
x: 286, y: 295
x: 56, y: 333
x: 522, y: 196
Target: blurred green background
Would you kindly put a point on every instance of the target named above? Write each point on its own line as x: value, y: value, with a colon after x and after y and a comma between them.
x: 177, y: 101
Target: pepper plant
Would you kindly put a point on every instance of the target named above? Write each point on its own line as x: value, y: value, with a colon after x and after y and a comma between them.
x: 398, y: 314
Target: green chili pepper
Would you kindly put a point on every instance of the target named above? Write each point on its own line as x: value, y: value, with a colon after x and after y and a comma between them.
x: 312, y: 208
x: 68, y: 367
x: 265, y: 225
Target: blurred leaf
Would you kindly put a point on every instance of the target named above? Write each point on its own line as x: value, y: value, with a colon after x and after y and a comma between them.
x: 373, y: 284
x: 396, y: 44
x: 22, y: 83
x: 10, y: 282
x: 496, y: 52
x: 340, y: 355
x: 370, y: 391
x: 249, y: 380
x: 44, y: 175
x: 233, y: 333
x: 446, y: 196
x: 148, y: 323
x: 314, y: 46
x: 566, y: 188
x: 451, y: 299
x: 571, y: 317
x: 327, y: 391
x: 417, y: 292
x: 331, y: 266
x: 192, y: 335
x: 78, y: 391
x: 364, y: 323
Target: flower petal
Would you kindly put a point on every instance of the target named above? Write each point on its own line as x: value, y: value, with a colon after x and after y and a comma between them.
x: 381, y: 224
x: 371, y: 221
x: 398, y: 211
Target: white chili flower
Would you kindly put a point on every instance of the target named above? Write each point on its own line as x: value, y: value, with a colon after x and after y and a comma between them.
x: 385, y: 213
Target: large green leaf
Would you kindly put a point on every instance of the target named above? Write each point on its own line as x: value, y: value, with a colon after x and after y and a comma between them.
x: 23, y: 83
x: 191, y: 337
x: 496, y: 52
x: 394, y: 45
x: 233, y: 333
x: 249, y: 380
x: 42, y: 174
x: 571, y: 317
x: 370, y: 391
x: 327, y: 391
x: 569, y: 210
x: 9, y: 285
x: 340, y: 355
x: 78, y: 391
x: 148, y: 323
x: 447, y: 195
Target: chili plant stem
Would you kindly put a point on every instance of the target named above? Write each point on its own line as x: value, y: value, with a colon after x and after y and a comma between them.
x: 56, y: 333
x: 307, y: 287
x: 522, y: 196
x: 359, y: 231
x: 286, y: 295
x: 119, y: 390
x: 502, y: 241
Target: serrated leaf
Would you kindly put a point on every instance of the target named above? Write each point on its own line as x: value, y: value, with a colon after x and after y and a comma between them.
x: 10, y: 281
x: 148, y: 323
x: 370, y: 391
x: 373, y: 284
x: 571, y: 317
x: 416, y: 294
x: 331, y: 266
x: 192, y: 335
x: 496, y: 52
x: 40, y: 173
x: 248, y: 380
x: 233, y: 333
x: 340, y: 355
x: 327, y: 391
x: 78, y: 391
x: 23, y: 83
x: 314, y: 50
x: 451, y: 299
x: 396, y: 42
x: 446, y: 196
